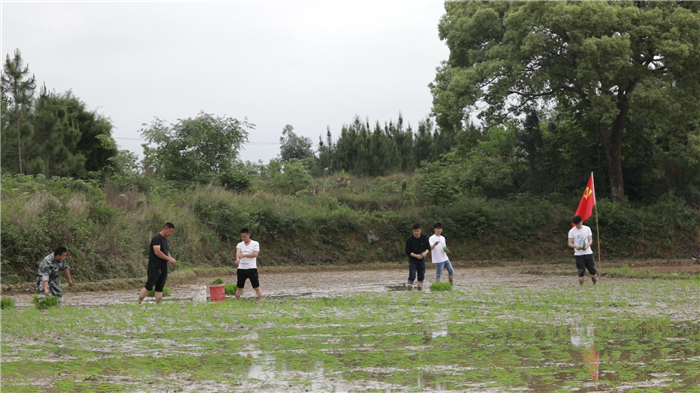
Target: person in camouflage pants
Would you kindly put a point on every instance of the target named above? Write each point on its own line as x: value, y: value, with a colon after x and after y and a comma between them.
x: 47, y: 279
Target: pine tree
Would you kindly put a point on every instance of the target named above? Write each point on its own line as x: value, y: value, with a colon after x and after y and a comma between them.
x: 19, y: 87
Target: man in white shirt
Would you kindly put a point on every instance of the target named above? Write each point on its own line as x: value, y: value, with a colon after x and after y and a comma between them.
x: 246, y: 261
x: 438, y: 245
x: 581, y: 239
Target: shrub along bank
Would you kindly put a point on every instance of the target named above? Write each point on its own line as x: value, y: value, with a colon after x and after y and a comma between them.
x: 107, y: 232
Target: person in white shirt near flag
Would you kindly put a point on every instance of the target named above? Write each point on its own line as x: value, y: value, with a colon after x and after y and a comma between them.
x: 246, y: 260
x: 580, y: 239
x: 438, y: 246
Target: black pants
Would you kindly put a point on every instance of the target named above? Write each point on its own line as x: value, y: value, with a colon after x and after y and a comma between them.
x: 250, y: 274
x: 157, y: 277
x: 584, y: 262
x: 416, y: 267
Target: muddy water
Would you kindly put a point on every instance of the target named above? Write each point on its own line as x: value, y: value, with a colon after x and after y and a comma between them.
x: 319, y: 283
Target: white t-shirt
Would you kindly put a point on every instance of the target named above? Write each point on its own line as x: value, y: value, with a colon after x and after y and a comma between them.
x: 438, y: 253
x: 580, y: 237
x: 248, y: 263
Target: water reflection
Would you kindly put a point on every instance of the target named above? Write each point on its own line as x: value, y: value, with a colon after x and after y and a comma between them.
x: 583, y: 337
x: 429, y: 335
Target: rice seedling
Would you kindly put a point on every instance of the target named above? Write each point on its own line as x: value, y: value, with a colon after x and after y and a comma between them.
x: 217, y: 281
x: 44, y: 303
x: 441, y: 286
x: 6, y: 303
x: 230, y: 289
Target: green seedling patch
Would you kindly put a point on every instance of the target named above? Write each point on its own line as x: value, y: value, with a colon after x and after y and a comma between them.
x: 166, y: 292
x: 44, y: 303
x: 230, y: 289
x: 6, y: 303
x: 441, y: 286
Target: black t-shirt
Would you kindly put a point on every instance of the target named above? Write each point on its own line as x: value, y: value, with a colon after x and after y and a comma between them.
x: 416, y: 245
x: 153, y: 259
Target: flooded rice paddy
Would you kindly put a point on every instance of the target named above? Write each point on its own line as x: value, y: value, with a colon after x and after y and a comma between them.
x: 496, y: 331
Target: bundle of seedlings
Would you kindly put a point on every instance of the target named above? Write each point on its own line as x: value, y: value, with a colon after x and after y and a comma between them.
x: 166, y: 292
x: 44, y: 303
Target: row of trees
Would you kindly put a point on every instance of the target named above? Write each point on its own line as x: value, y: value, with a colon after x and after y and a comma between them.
x: 50, y: 133
x: 562, y: 89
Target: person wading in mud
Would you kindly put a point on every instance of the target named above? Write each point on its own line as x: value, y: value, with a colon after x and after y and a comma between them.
x: 581, y: 239
x: 438, y: 245
x: 417, y: 247
x: 158, y: 258
x: 246, y: 260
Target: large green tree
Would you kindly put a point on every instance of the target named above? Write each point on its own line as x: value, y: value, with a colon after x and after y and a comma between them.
x: 602, y: 61
x: 18, y: 91
x: 194, y: 149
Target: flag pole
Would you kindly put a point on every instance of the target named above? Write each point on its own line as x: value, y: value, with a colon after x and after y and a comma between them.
x: 597, y: 231
x: 597, y: 228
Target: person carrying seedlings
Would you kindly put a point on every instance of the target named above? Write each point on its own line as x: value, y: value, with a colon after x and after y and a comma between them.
x: 581, y: 239
x: 438, y: 246
x: 47, y: 279
x: 417, y: 247
x: 158, y: 258
x: 246, y: 260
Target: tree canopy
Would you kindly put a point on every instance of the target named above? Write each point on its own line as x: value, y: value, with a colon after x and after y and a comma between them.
x: 294, y: 146
x: 194, y: 149
x: 604, y: 62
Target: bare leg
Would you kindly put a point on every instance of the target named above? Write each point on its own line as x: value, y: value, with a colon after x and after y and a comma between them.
x: 420, y: 286
x: 239, y: 292
x: 258, y: 292
x: 409, y: 286
x: 594, y: 278
x: 580, y: 280
x: 159, y: 297
x: 452, y: 279
x: 142, y: 295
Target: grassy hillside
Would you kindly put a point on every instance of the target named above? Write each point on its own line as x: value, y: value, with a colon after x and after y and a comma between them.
x: 346, y: 221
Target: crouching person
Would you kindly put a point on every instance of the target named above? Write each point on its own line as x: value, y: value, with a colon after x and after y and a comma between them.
x: 47, y: 279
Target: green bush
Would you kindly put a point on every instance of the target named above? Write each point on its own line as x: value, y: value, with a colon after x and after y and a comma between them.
x: 47, y: 302
x: 6, y: 303
x: 235, y: 179
x: 166, y: 292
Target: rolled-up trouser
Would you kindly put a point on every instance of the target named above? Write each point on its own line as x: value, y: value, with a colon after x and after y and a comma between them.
x: 584, y: 262
x: 416, y: 267
x: 444, y: 265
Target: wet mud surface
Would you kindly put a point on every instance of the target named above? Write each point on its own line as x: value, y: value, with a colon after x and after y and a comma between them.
x: 317, y: 283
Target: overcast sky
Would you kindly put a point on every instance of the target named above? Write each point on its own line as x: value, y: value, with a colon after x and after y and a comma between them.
x: 308, y: 64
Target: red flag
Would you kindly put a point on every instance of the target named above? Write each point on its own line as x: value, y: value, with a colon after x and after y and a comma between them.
x: 585, y: 207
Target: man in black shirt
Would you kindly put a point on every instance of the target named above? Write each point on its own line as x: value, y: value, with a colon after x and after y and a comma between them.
x: 158, y: 258
x: 417, y: 247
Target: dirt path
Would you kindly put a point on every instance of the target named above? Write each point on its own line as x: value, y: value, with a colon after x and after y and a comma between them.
x: 317, y: 283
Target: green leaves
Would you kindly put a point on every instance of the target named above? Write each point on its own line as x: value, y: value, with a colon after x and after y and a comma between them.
x: 194, y: 149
